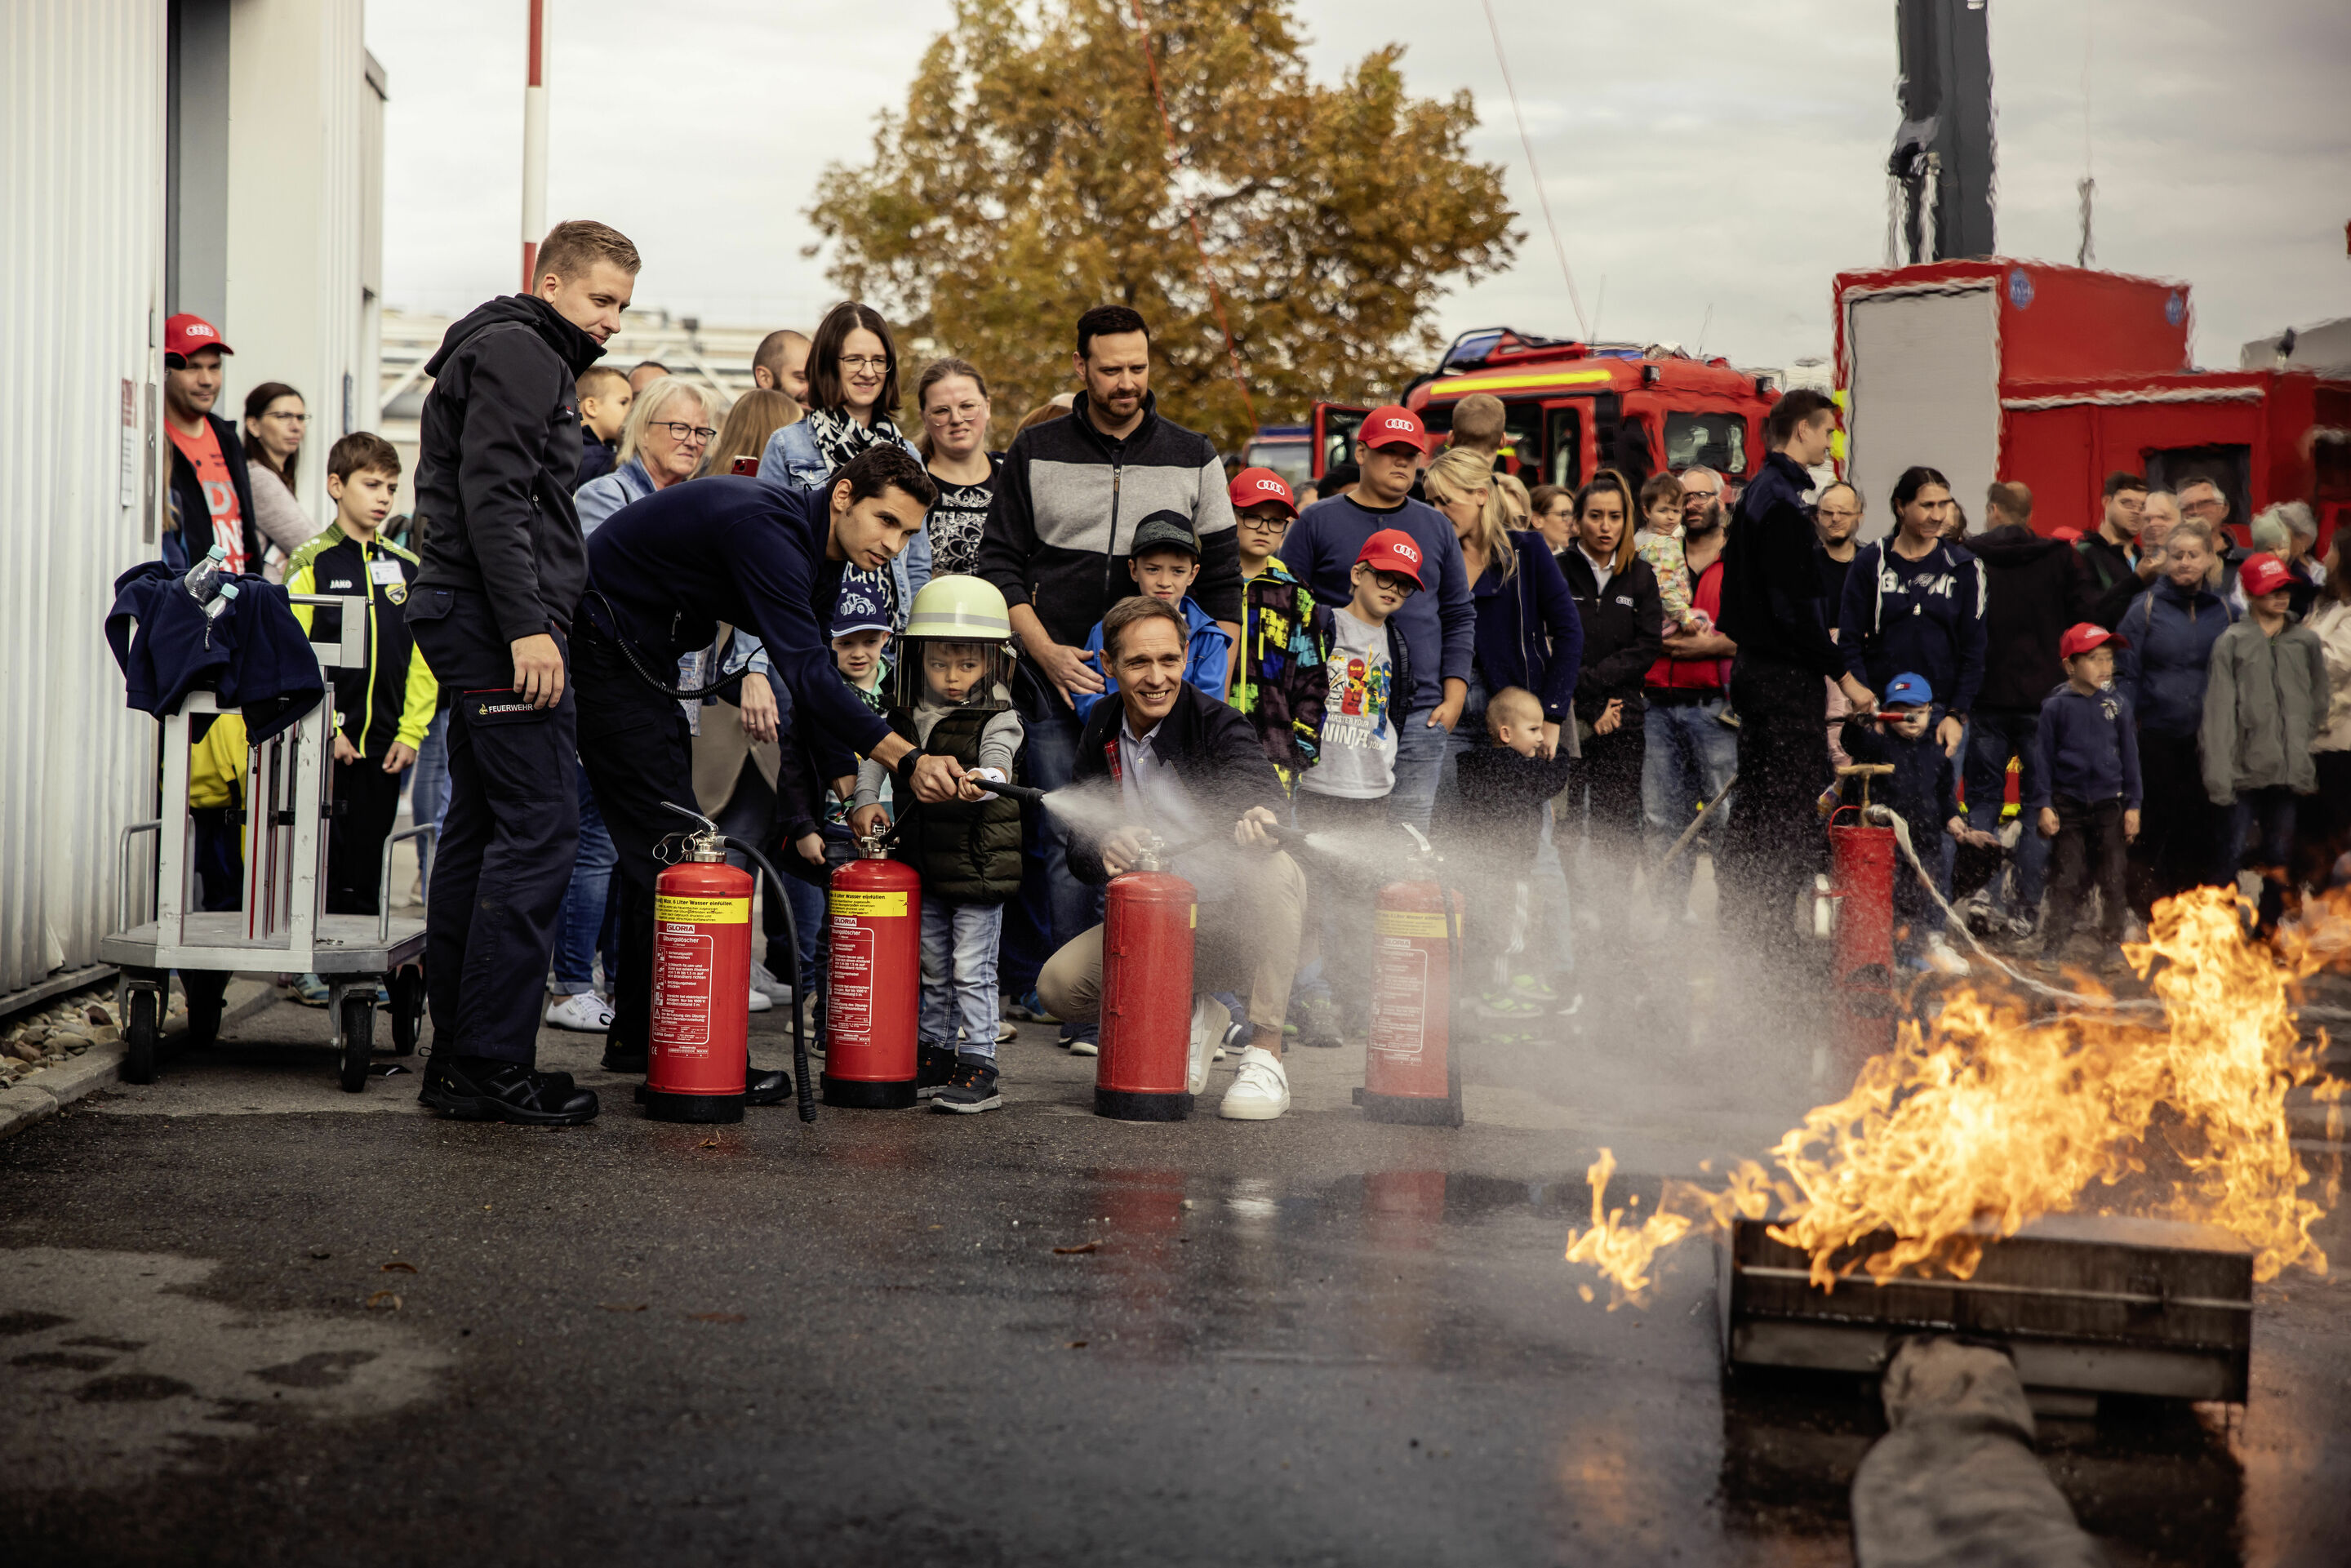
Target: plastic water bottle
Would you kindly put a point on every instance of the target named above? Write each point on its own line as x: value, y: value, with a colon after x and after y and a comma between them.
x: 221, y: 602
x: 204, y: 579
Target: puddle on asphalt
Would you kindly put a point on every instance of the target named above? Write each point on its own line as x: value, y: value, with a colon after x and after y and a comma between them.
x: 114, y: 1372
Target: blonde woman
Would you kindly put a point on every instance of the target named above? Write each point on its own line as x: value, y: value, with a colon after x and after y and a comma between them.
x: 1528, y: 635
x: 670, y: 426
x: 755, y: 416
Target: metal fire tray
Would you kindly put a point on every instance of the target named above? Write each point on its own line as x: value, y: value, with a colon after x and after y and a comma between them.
x: 2086, y: 1303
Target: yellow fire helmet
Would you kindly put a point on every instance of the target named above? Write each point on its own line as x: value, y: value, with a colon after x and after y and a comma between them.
x: 955, y: 620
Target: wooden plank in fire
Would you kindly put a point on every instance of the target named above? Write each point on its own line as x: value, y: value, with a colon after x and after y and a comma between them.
x: 2096, y: 1304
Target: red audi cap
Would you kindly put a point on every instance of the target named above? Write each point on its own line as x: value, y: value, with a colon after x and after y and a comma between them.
x: 185, y: 334
x: 2082, y: 636
x: 2262, y: 574
x: 1393, y: 550
x: 1255, y: 486
x: 1392, y: 425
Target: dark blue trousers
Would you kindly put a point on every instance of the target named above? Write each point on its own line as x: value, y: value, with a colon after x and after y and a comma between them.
x: 508, y: 843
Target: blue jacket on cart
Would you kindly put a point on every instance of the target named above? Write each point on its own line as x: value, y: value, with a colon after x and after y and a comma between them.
x: 254, y: 657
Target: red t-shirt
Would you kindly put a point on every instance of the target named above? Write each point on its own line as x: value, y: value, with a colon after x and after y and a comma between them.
x: 204, y: 453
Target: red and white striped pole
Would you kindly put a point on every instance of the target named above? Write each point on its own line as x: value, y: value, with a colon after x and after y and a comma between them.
x: 534, y: 145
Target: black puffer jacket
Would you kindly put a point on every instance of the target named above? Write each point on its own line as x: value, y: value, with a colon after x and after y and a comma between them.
x: 500, y: 436
x: 1624, y: 633
x: 968, y: 853
x: 2034, y: 588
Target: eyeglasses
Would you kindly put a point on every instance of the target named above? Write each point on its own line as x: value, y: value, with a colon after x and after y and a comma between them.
x: 682, y: 433
x: 864, y: 362
x: 960, y: 411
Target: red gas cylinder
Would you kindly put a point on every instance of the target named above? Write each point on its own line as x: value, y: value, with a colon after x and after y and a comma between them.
x: 1861, y: 869
x: 1146, y: 1003
x: 874, y: 920
x: 1410, y: 1074
x: 697, y: 1060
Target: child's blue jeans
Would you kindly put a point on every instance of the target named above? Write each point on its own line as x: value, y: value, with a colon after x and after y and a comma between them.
x: 960, y: 944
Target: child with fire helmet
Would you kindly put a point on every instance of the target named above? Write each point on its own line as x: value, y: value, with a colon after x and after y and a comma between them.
x: 2085, y: 791
x: 1923, y: 790
x: 951, y: 695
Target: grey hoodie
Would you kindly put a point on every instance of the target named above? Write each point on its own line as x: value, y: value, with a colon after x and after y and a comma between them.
x: 2263, y: 707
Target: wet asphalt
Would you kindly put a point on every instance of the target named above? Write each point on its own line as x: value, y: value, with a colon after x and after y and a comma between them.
x: 246, y: 1318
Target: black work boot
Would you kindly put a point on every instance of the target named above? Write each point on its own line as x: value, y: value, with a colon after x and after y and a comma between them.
x: 482, y: 1089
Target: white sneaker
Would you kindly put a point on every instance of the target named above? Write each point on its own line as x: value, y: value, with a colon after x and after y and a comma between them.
x: 1210, y: 1020
x: 761, y: 1000
x: 583, y: 1012
x: 764, y: 980
x: 1081, y: 1048
x: 1942, y: 958
x: 1260, y: 1089
x: 1006, y: 1031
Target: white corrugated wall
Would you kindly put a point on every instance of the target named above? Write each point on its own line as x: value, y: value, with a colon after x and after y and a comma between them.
x: 81, y: 280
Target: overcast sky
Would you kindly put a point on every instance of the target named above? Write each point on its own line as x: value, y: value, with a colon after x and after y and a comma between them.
x: 1722, y: 155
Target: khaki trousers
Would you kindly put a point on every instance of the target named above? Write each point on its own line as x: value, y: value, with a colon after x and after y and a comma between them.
x: 1249, y: 939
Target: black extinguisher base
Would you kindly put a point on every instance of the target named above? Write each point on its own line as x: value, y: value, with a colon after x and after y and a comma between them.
x: 1418, y: 1109
x: 860, y: 1094
x: 704, y: 1109
x: 1127, y: 1105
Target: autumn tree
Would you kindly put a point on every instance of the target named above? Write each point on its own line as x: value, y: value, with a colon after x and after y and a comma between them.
x: 1027, y: 178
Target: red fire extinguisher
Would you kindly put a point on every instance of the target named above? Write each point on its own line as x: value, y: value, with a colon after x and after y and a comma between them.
x: 874, y: 920
x: 698, y: 1059
x: 1861, y: 860
x: 1150, y: 914
x: 1410, y: 1074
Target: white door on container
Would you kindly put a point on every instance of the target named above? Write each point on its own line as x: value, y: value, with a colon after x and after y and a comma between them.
x: 1925, y: 390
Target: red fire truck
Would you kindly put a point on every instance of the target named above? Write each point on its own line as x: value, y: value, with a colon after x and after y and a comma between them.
x: 2056, y: 376
x: 1571, y: 409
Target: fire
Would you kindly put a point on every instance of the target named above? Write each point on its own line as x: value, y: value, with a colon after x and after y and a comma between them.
x: 1989, y: 1117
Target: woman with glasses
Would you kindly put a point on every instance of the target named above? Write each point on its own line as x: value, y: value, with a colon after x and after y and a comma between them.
x: 274, y: 423
x: 953, y: 397
x: 853, y: 377
x: 670, y: 426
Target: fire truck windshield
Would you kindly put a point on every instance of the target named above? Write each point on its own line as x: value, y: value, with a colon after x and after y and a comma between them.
x: 1717, y: 440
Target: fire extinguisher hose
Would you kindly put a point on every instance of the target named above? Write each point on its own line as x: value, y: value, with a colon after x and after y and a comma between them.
x: 801, y: 1084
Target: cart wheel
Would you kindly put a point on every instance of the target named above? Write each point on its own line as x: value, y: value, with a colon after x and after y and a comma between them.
x: 359, y: 1039
x: 207, y: 993
x: 407, y: 989
x: 138, y: 1034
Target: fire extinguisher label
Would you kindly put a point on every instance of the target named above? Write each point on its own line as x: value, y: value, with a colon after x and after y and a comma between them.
x: 853, y: 901
x: 702, y: 911
x: 682, y: 967
x: 1399, y: 985
x: 850, y: 1004
x: 1407, y: 923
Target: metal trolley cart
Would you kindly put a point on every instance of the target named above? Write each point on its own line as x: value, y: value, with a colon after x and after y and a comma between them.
x: 280, y: 926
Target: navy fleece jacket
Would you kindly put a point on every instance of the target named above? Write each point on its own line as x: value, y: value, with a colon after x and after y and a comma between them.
x: 1924, y: 616
x: 2086, y: 746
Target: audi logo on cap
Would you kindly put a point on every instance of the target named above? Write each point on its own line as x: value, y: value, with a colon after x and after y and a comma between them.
x: 1271, y: 486
x: 198, y: 330
x: 1402, y: 428
x: 1407, y: 550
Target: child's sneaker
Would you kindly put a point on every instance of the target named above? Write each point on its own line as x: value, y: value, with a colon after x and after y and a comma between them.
x: 1260, y: 1089
x: 1942, y: 958
x: 583, y: 1012
x: 310, y: 990
x: 934, y: 1069
x: 1322, y: 1025
x: 970, y: 1087
x: 1006, y: 1031
x: 1533, y: 988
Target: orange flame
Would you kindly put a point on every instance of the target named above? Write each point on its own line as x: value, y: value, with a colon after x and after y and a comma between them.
x: 1989, y: 1117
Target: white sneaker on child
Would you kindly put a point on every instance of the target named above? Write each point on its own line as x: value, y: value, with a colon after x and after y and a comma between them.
x: 1260, y: 1089
x: 761, y: 1000
x: 583, y: 1012
x: 1942, y: 958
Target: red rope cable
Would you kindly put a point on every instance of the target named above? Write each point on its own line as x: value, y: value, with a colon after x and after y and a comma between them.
x: 1216, y: 297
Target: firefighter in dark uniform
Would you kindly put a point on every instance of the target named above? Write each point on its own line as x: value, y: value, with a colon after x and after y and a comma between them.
x: 504, y: 567
x: 666, y: 571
